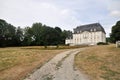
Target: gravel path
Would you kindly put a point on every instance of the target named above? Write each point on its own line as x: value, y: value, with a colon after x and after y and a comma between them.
x: 61, y: 67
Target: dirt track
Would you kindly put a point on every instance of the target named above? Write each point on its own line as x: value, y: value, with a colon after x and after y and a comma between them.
x: 61, y: 67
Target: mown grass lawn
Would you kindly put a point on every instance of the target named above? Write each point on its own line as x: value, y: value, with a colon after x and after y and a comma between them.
x: 17, y: 62
x: 100, y: 62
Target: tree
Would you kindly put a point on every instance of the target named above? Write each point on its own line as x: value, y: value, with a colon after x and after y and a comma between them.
x: 108, y: 39
x: 3, y: 25
x: 50, y: 36
x: 10, y: 34
x: 18, y: 36
x: 47, y: 35
x: 38, y: 34
x: 115, y: 35
x: 66, y: 34
x: 59, y: 35
x: 28, y: 36
x: 58, y: 30
x: 7, y: 33
x: 36, y: 30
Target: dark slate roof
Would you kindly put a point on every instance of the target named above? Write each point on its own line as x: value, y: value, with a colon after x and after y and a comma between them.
x: 94, y: 27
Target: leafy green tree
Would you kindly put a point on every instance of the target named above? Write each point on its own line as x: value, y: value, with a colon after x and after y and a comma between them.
x: 28, y: 37
x: 59, y: 35
x: 3, y: 26
x: 115, y: 35
x: 7, y: 33
x: 66, y: 34
x: 18, y: 36
x: 47, y: 35
x: 10, y: 34
x: 36, y: 29
x: 38, y: 34
x: 108, y: 39
x: 58, y: 30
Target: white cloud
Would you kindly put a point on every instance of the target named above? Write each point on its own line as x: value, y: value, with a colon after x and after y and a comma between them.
x: 66, y: 14
x: 114, y: 8
x: 115, y: 13
x: 25, y: 13
x: 113, y: 4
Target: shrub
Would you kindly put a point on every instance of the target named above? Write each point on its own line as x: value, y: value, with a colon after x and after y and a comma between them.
x: 102, y: 43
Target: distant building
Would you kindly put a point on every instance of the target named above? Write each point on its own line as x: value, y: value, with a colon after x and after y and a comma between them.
x: 89, y: 34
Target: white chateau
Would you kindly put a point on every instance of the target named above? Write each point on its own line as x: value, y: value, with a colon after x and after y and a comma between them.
x: 89, y: 34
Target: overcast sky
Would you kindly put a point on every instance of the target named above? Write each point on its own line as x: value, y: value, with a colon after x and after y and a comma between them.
x: 67, y: 14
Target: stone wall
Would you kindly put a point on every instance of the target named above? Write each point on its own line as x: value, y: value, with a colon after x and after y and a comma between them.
x: 69, y: 41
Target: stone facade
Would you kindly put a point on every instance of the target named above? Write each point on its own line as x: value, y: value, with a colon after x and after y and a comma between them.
x: 118, y: 44
x: 89, y: 34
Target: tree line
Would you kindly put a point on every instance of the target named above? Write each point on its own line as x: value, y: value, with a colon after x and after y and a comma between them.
x: 36, y: 35
x: 41, y: 35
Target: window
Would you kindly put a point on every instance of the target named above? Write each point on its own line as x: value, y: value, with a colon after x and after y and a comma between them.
x: 91, y: 30
x: 85, y: 35
x: 94, y: 29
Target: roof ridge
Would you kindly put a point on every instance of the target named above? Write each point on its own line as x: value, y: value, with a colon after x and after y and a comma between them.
x: 88, y: 24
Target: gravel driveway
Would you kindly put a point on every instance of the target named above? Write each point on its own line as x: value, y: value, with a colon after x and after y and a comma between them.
x: 61, y: 67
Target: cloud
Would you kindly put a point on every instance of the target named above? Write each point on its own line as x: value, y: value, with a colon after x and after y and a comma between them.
x: 115, y: 13
x: 25, y: 13
x: 113, y: 4
x: 66, y: 14
x: 114, y: 8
